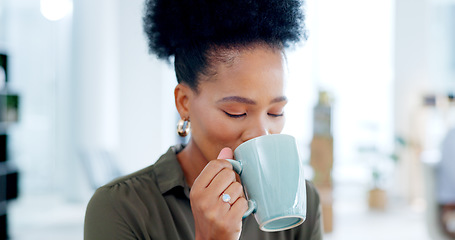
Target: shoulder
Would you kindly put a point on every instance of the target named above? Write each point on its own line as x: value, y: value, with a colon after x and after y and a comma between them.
x: 139, y: 189
x: 131, y: 180
x: 149, y: 179
x: 312, y: 227
x: 123, y: 193
x: 123, y: 204
x: 313, y: 204
x: 129, y: 188
x: 111, y: 204
x: 125, y: 190
x: 312, y: 195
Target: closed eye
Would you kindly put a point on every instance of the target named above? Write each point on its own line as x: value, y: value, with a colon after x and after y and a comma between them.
x: 275, y: 115
x: 235, y: 115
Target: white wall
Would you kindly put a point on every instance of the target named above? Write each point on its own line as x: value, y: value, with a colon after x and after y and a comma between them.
x: 87, y: 84
x: 423, y: 51
x: 37, y: 67
x: 123, y: 96
x: 351, y: 58
x: 147, y: 112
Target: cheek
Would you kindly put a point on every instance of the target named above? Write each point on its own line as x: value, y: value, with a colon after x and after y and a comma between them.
x: 220, y: 131
x: 279, y: 125
x: 212, y: 132
x: 217, y: 128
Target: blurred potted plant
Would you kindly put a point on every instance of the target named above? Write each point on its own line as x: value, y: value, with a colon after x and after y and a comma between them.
x: 379, y: 163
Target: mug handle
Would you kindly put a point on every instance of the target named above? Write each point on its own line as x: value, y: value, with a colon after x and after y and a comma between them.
x: 238, y: 168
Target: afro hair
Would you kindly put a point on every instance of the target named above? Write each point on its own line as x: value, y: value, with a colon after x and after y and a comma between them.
x: 189, y: 30
x: 174, y: 24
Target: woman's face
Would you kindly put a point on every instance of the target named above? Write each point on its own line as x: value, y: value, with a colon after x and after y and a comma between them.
x: 243, y: 100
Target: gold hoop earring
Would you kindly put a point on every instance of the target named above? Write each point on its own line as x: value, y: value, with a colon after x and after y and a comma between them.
x: 183, y: 127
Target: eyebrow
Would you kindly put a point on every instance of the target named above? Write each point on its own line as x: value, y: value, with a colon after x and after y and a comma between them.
x: 279, y: 99
x: 249, y: 101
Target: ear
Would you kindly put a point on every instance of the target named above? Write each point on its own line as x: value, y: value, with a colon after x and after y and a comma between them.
x: 182, y: 95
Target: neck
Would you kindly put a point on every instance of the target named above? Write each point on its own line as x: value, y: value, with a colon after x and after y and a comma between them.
x: 192, y: 162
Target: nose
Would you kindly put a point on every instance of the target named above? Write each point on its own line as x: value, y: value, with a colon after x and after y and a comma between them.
x: 256, y: 128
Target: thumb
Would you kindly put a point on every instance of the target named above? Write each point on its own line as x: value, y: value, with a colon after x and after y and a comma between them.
x: 226, y: 153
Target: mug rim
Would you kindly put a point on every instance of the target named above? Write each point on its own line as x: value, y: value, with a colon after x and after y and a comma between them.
x: 302, y: 219
x: 264, y: 136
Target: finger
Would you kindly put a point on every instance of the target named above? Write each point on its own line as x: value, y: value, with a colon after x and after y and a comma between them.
x: 214, y: 167
x: 238, y: 209
x: 221, y: 181
x: 235, y: 191
x: 210, y: 171
x: 225, y: 206
x: 226, y: 153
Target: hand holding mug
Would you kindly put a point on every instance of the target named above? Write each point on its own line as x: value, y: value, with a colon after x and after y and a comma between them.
x: 216, y: 216
x: 272, y: 173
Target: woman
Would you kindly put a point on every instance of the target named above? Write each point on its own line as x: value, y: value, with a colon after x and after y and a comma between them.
x: 230, y: 67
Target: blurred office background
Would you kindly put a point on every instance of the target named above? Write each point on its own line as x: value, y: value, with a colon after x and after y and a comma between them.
x: 94, y: 105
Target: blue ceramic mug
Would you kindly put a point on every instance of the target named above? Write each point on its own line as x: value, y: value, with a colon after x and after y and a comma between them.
x: 272, y: 175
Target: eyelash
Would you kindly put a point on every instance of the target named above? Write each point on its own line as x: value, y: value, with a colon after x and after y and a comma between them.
x: 276, y: 115
x: 234, y: 115
x: 244, y: 114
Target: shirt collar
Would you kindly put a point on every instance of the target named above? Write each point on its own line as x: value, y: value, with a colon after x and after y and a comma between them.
x: 168, y: 172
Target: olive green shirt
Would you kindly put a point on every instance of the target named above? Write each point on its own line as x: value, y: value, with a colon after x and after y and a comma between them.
x: 154, y: 203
